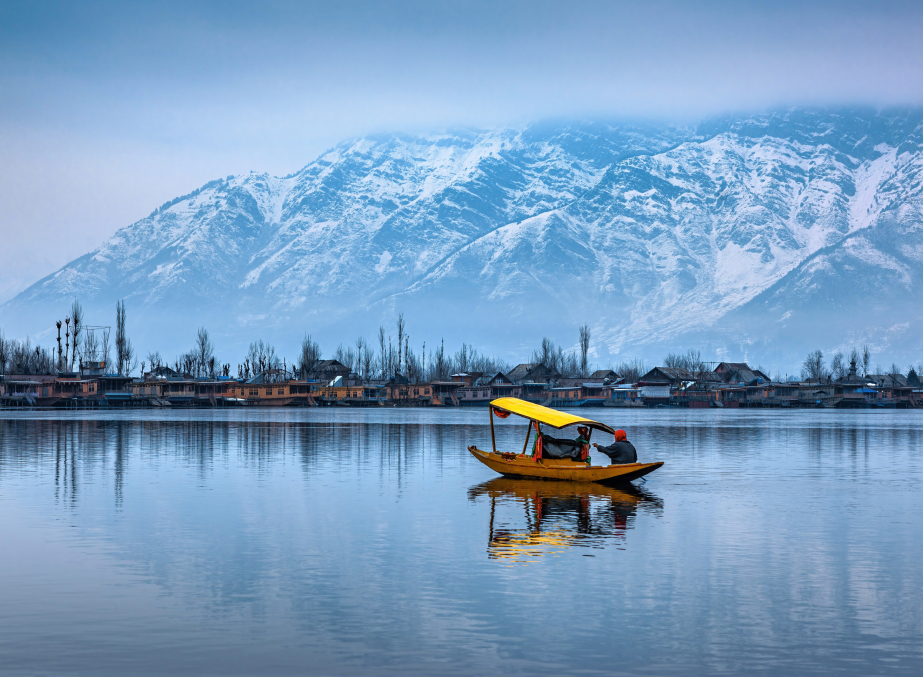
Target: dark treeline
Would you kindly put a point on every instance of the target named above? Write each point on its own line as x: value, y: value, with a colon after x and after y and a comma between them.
x: 21, y: 357
x: 389, y: 354
x: 815, y: 367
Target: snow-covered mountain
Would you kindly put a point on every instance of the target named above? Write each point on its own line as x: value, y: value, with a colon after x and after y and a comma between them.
x: 751, y: 236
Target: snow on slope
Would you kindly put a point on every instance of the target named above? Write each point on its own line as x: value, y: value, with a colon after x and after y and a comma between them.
x: 668, y: 243
x: 650, y: 232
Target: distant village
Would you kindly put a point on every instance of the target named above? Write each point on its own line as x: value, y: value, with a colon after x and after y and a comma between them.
x: 86, y: 372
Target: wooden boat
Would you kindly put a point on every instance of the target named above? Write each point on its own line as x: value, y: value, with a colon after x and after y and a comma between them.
x: 526, y: 465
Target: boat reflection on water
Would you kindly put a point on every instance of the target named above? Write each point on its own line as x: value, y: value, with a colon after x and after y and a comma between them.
x: 535, y: 518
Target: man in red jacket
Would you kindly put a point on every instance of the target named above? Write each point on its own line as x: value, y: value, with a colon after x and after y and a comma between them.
x: 621, y: 451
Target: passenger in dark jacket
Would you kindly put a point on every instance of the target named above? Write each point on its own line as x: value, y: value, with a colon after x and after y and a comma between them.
x: 621, y: 451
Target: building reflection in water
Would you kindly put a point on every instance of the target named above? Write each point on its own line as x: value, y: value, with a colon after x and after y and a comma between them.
x: 534, y: 518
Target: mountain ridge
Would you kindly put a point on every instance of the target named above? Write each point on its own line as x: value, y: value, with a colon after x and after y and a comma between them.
x: 653, y: 234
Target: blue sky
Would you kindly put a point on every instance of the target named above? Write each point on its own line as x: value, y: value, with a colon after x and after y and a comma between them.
x: 110, y: 109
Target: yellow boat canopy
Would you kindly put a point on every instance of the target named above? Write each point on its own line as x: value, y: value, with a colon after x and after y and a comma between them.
x: 552, y: 417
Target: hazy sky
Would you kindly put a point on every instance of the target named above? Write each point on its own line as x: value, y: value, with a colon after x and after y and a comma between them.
x: 108, y: 110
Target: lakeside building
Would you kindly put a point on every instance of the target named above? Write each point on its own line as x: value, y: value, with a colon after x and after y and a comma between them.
x: 730, y: 385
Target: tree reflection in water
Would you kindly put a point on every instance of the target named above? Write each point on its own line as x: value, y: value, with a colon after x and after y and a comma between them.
x: 559, y: 515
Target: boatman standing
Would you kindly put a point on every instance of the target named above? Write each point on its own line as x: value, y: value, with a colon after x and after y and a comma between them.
x: 621, y: 451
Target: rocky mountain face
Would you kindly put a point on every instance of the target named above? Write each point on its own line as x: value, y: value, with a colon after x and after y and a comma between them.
x: 751, y: 237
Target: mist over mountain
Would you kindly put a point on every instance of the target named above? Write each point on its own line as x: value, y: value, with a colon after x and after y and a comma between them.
x: 753, y: 237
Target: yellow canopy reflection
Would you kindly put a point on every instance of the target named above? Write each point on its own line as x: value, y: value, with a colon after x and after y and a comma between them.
x: 558, y: 515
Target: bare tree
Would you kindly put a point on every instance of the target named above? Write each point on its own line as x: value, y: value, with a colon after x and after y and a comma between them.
x: 122, y: 344
x: 557, y: 362
x: 107, y: 351
x: 91, y: 346
x: 691, y: 361
x: 131, y: 361
x: 401, y: 326
x: 346, y: 357
x: 813, y: 368
x: 4, y: 353
x: 255, y: 356
x: 310, y: 355
x: 546, y: 355
x: 76, y: 337
x: 412, y: 366
x: 124, y: 351
x: 20, y: 357
x: 204, y: 351
x: 381, y: 348
x: 584, y: 349
x: 461, y: 358
x: 866, y: 360
x: 187, y: 364
x: 154, y: 359
x: 361, y: 349
x: 262, y: 356
x: 440, y: 368
x: 368, y: 362
x: 838, y: 366
x: 631, y: 370
x: 694, y: 363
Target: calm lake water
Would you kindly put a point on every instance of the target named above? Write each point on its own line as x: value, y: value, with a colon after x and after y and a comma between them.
x: 369, y: 542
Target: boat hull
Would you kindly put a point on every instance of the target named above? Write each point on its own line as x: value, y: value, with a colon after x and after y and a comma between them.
x: 519, y: 465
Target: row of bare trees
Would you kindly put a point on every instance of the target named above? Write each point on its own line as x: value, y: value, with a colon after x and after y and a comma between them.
x: 815, y: 368
x: 21, y: 357
x: 199, y: 361
x: 73, y: 338
x: 555, y: 360
x: 81, y: 343
x: 124, y: 350
x: 395, y: 355
x: 576, y: 363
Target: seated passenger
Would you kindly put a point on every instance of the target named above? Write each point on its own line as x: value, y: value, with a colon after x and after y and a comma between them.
x: 621, y: 451
x: 553, y: 447
x: 578, y: 449
x: 583, y: 442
